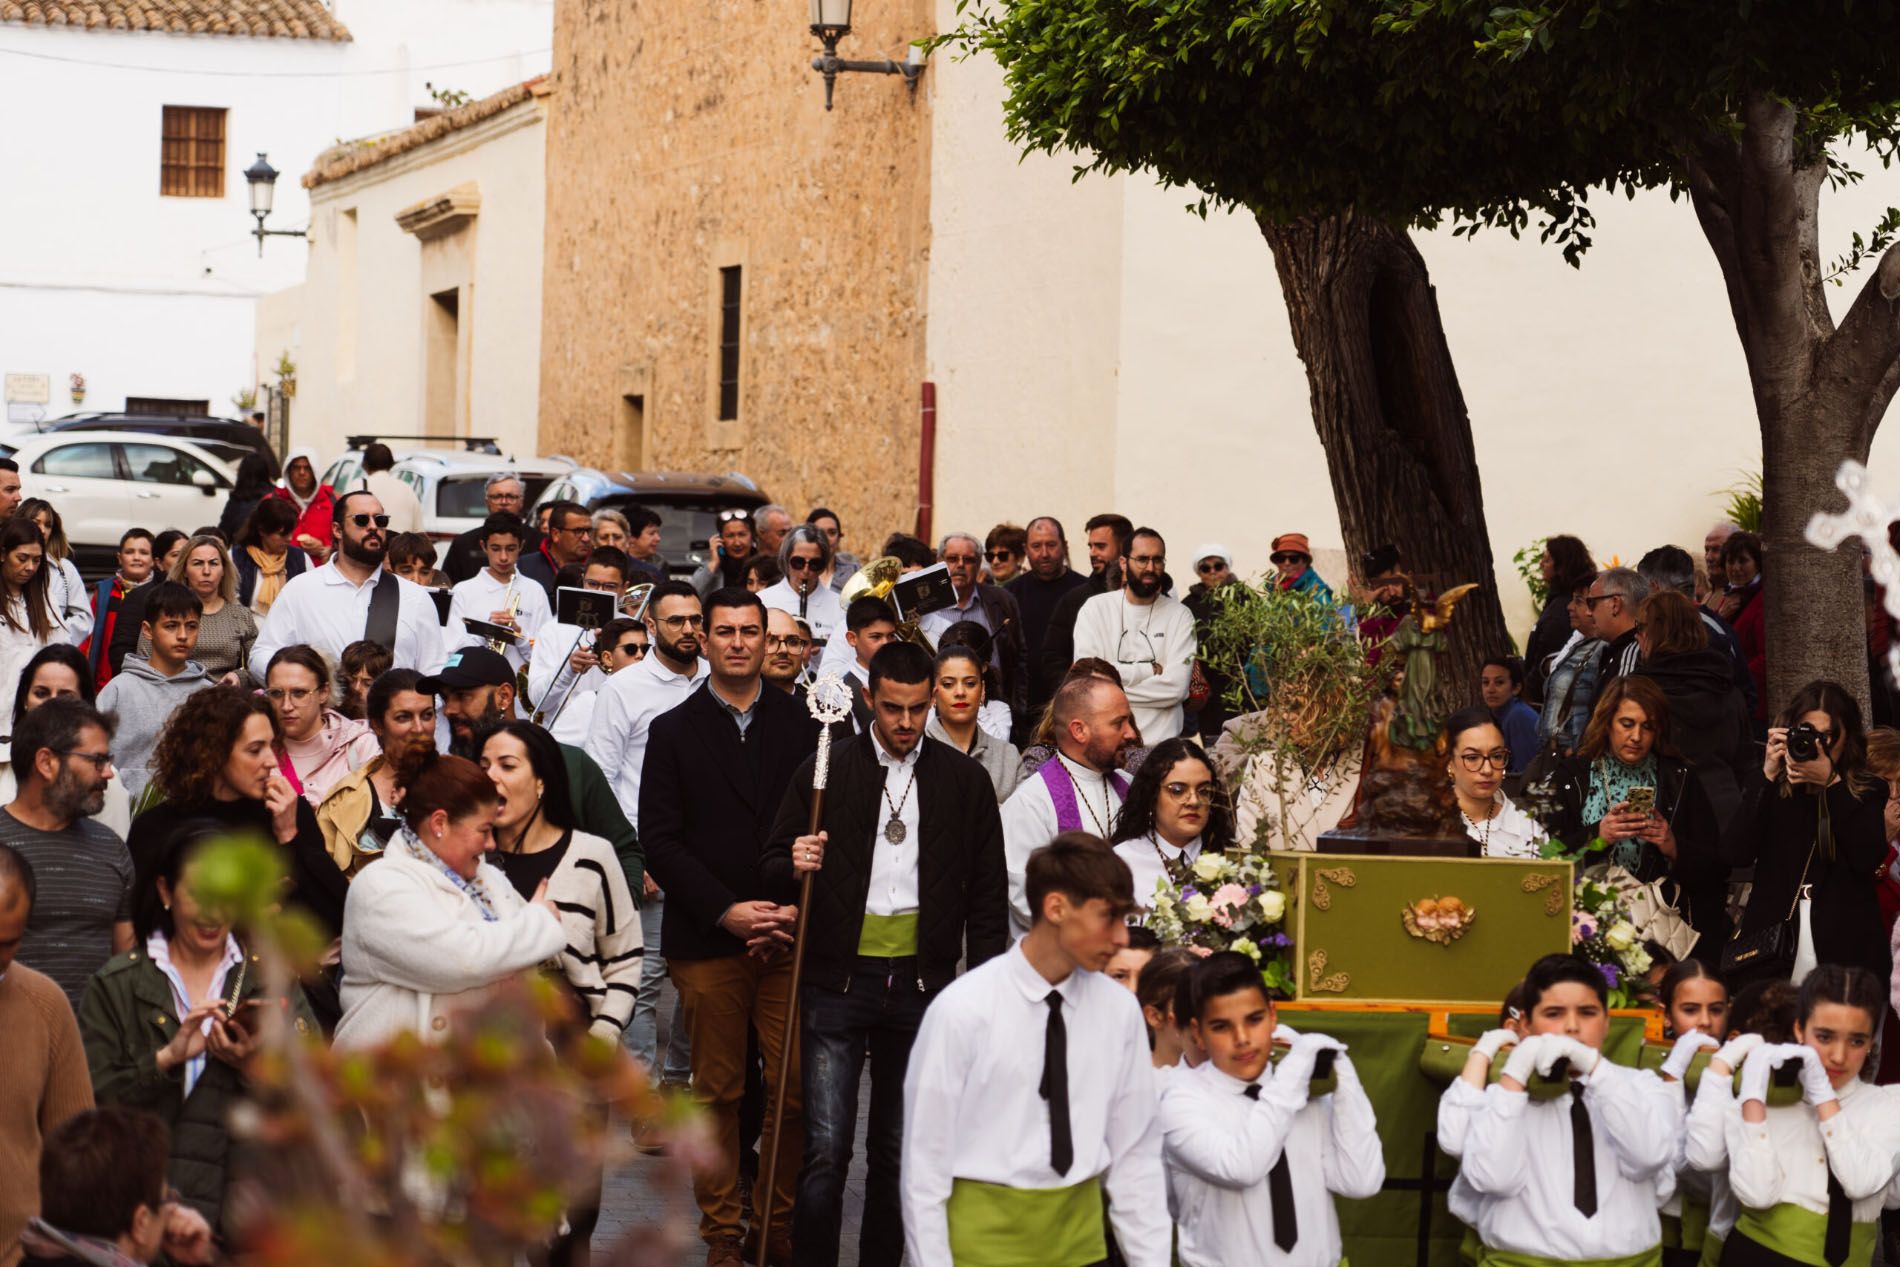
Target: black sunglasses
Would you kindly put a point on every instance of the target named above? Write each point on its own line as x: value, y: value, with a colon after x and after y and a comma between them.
x: 634, y: 649
x: 1212, y: 565
x: 997, y: 556
x: 798, y: 563
x: 363, y: 521
x: 1288, y: 558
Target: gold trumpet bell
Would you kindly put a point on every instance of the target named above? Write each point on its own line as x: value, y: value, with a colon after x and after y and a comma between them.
x: 875, y: 578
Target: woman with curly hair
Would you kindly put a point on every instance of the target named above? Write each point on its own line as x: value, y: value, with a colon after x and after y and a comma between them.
x: 1175, y: 809
x: 217, y: 759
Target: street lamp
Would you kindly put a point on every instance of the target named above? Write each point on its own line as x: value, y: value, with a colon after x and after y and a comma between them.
x: 263, y: 181
x: 831, y: 22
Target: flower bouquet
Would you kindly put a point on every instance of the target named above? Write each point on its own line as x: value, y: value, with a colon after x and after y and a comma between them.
x: 1602, y: 932
x: 1228, y: 901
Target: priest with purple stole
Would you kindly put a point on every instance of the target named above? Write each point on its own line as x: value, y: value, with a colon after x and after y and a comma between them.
x: 1079, y: 789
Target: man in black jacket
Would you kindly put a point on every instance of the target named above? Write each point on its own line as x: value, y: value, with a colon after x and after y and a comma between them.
x: 917, y: 874
x: 716, y: 770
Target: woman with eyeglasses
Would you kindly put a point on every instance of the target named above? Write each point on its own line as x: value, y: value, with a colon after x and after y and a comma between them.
x: 59, y: 671
x: 1813, y: 827
x: 1004, y: 551
x: 320, y: 746
x: 960, y: 687
x: 1175, y: 810
x: 1629, y: 799
x: 1475, y: 761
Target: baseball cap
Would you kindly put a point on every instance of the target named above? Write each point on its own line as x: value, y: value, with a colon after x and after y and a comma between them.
x: 470, y: 666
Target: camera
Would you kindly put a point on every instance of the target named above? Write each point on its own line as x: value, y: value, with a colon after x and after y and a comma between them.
x: 1804, y: 742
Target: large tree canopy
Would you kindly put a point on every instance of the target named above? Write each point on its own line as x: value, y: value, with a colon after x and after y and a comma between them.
x: 1418, y: 113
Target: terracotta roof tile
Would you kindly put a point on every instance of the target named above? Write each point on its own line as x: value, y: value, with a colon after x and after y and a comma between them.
x: 266, y: 19
x: 354, y: 156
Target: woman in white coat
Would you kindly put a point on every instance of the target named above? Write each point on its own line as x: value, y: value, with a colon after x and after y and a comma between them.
x: 429, y: 928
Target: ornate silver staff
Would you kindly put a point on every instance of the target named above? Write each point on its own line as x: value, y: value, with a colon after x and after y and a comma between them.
x: 830, y: 701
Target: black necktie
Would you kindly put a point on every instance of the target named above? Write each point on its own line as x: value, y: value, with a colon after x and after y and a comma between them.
x: 1055, y: 1085
x: 1286, y: 1220
x: 1840, y: 1222
x: 1583, y: 1155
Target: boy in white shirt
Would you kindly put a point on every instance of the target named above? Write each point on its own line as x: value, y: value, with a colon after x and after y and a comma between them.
x: 1253, y: 1161
x: 498, y: 595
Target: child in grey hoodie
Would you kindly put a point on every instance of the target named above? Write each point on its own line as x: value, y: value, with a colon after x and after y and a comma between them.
x: 147, y: 689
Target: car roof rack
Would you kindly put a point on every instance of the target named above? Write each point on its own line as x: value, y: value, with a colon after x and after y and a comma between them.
x: 472, y: 444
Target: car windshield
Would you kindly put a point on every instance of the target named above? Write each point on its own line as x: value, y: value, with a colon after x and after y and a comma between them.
x: 465, y: 496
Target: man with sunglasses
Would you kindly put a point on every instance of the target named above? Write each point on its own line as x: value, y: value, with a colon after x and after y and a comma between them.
x: 991, y: 607
x: 1215, y: 584
x: 570, y: 539
x: 351, y: 598
x: 1613, y: 599
x: 1146, y: 634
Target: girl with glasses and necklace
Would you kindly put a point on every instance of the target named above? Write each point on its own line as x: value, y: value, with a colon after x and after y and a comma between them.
x: 1475, y: 761
x: 1175, y: 810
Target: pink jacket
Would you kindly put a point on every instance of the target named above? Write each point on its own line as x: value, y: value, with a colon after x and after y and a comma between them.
x: 343, y: 746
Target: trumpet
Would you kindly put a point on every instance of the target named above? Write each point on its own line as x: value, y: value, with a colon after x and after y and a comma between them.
x: 633, y: 604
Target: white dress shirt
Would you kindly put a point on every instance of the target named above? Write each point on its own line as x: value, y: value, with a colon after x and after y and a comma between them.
x: 323, y: 609
x: 483, y: 594
x: 1517, y: 1159
x: 1029, y: 823
x: 1509, y: 833
x: 1219, y: 1146
x: 623, y: 711
x: 1702, y: 1164
x: 1786, y: 1158
x: 1134, y: 638
x: 823, y: 612
x: 1455, y: 1108
x: 549, y: 677
x: 893, y: 888
x: 972, y: 1110
x: 1144, y: 859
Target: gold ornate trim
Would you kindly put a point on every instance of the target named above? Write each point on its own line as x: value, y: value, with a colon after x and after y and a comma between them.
x: 1319, y: 983
x: 1323, y: 896
x: 1554, y: 900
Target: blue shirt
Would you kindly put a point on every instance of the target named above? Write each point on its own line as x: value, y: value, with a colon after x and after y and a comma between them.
x: 1518, y: 721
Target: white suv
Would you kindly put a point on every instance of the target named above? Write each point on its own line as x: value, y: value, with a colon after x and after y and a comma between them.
x: 103, y: 482
x: 451, y: 484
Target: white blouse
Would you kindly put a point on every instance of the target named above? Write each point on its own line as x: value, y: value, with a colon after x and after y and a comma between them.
x: 1509, y: 833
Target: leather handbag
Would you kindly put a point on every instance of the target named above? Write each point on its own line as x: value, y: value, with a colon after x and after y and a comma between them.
x: 1769, y: 950
x: 1655, y: 918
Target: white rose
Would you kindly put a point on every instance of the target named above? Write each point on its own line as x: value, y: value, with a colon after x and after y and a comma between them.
x: 1620, y: 936
x: 1209, y: 867
x: 1637, y: 960
x: 1273, y: 905
x: 1198, y: 908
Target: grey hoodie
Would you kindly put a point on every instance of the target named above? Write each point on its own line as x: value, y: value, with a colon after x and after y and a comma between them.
x: 144, y: 699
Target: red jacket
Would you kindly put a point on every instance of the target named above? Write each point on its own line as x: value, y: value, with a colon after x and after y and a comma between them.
x: 1751, y: 635
x: 319, y: 517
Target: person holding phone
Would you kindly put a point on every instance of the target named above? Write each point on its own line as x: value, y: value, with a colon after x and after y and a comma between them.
x: 170, y: 1024
x: 1627, y: 797
x: 728, y: 550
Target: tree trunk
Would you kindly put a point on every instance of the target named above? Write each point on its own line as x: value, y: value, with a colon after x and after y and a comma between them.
x: 1819, y: 392
x: 1391, y: 419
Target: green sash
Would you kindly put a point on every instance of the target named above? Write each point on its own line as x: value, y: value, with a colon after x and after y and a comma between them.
x: 888, y: 936
x: 1651, y: 1257
x: 996, y: 1226
x: 1799, y: 1234
x: 1711, y: 1251
x: 1689, y: 1229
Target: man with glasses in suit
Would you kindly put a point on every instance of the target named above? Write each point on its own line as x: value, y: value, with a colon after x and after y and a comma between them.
x: 1147, y: 635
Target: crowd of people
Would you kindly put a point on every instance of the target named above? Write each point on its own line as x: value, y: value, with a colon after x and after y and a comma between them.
x: 470, y: 778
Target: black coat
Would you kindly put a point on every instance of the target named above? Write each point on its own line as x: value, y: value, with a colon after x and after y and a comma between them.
x: 125, y: 630
x: 1775, y: 833
x: 295, y: 564
x: 707, y: 803
x: 962, y: 882
x: 1036, y: 599
x: 1058, y: 640
x: 1698, y: 878
x: 1708, y: 722
x: 1547, y: 639
x: 1006, y: 632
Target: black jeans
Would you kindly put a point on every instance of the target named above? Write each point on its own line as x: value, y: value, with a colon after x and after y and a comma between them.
x: 877, y: 1013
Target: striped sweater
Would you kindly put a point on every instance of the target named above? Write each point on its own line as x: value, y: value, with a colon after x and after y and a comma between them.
x: 602, y: 923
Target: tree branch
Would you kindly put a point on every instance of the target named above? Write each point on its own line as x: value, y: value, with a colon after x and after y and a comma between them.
x: 1861, y: 361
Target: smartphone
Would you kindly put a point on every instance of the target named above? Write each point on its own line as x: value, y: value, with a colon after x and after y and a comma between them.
x: 1641, y: 800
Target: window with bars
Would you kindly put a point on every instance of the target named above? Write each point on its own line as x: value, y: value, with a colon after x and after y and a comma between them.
x: 191, y: 163
x: 729, y: 295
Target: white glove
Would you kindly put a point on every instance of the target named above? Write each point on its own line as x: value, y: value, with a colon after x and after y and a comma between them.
x: 1295, y: 1069
x: 1755, y: 1071
x: 1582, y: 1057
x: 1525, y: 1057
x: 1285, y: 1034
x: 1343, y: 1070
x: 1685, y: 1051
x: 1494, y: 1041
x: 1736, y: 1050
x: 1816, y: 1089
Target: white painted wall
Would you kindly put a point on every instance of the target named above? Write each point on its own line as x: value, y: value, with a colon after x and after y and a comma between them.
x: 1628, y: 368
x: 152, y: 296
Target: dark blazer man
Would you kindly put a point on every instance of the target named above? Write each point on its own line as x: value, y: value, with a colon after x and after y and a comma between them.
x: 716, y: 771
x: 907, y: 871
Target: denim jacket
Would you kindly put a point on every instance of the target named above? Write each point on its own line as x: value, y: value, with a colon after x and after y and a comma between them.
x: 1570, y: 693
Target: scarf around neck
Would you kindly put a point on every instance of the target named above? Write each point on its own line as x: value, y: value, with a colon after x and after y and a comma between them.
x: 272, y: 572
x: 1610, y: 782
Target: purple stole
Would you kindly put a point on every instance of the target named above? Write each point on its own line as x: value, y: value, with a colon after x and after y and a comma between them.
x: 1062, y: 794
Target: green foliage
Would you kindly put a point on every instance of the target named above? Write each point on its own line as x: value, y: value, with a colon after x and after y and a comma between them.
x: 447, y: 98
x: 1422, y: 112
x: 1743, y: 507
x: 1526, y: 562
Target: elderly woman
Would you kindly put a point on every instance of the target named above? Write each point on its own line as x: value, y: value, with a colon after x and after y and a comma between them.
x: 321, y: 746
x: 264, y: 558
x: 1813, y: 827
x: 803, y: 559
x: 1627, y: 797
x: 169, y: 1025
x: 430, y: 928
x: 227, y: 628
x: 1175, y: 809
x: 65, y: 589
x: 1475, y: 759
x: 612, y: 529
x: 59, y: 671
x: 960, y: 690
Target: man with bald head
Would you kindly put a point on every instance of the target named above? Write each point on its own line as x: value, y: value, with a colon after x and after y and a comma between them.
x: 1712, y: 558
x: 1079, y: 789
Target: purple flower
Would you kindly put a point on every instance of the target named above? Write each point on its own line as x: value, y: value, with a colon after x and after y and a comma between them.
x: 1279, y: 941
x: 1609, y: 974
x: 1253, y: 890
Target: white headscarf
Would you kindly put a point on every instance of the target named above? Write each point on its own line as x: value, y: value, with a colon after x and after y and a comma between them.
x: 309, y: 455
